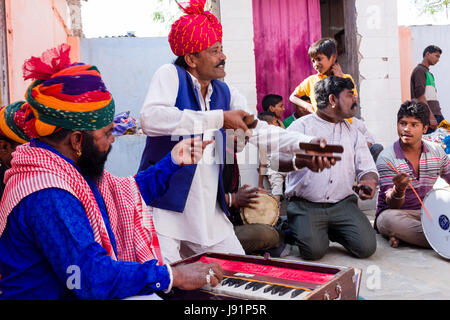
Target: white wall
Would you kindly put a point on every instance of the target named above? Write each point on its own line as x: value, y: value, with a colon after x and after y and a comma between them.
x: 237, y: 21
x: 422, y: 37
x: 380, y: 84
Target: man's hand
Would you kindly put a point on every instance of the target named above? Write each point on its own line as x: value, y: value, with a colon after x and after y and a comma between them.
x: 245, y: 198
x: 234, y: 119
x: 194, y: 275
x: 189, y: 151
x: 401, y: 182
x: 366, y: 189
x: 319, y: 160
x: 433, y: 122
x: 367, y: 186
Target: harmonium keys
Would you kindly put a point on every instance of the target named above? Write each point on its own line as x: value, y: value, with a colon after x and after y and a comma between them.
x: 241, y: 287
x: 258, y: 278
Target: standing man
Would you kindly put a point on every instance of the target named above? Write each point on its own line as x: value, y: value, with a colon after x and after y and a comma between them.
x: 423, y: 85
x: 187, y: 98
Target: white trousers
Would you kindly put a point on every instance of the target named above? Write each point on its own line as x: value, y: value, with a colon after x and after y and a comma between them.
x: 174, y: 250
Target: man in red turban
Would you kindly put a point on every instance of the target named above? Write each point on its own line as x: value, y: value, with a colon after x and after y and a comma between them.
x: 188, y: 98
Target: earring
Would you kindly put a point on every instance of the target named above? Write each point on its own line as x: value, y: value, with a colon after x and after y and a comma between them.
x: 78, y: 153
x: 333, y: 106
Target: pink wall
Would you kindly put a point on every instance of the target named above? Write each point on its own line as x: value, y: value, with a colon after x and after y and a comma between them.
x: 283, y: 32
x: 406, y: 60
x: 34, y: 26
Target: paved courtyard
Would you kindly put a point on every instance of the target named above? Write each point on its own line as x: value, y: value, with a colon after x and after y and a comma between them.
x: 404, y: 273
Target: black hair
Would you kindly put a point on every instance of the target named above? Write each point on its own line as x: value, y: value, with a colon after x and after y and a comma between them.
x: 59, y: 135
x: 267, y: 116
x: 415, y: 109
x: 326, y: 46
x: 181, y: 61
x: 431, y: 49
x: 328, y: 86
x: 270, y: 100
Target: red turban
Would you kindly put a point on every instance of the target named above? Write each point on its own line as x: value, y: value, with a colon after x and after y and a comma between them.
x: 196, y: 31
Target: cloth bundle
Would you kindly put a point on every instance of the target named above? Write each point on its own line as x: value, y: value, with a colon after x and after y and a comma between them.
x: 124, y: 124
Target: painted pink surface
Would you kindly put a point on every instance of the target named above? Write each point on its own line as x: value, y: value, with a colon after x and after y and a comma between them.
x: 283, y: 32
x: 33, y: 27
x: 406, y: 60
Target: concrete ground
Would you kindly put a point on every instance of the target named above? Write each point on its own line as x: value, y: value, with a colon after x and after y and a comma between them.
x: 403, y: 273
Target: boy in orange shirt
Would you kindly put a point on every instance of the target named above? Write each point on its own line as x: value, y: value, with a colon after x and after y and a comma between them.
x: 323, y: 55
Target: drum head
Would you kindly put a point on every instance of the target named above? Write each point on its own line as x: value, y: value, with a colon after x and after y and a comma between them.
x: 437, y: 229
x: 267, y: 211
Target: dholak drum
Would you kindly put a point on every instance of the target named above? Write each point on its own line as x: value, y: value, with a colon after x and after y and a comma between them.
x: 437, y: 229
x: 266, y: 211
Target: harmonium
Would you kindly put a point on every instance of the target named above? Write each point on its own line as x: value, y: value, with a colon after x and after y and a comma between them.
x: 265, y: 278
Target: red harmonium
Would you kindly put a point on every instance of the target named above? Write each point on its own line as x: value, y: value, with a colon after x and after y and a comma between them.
x: 264, y: 278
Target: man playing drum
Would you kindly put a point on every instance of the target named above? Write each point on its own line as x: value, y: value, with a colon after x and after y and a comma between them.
x: 417, y: 162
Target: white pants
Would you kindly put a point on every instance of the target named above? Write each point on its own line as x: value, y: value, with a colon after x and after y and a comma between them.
x: 174, y: 250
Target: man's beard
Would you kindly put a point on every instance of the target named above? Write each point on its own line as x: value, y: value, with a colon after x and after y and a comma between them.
x: 92, y: 161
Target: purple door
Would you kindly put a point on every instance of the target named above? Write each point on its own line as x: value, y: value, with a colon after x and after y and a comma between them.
x: 283, y: 32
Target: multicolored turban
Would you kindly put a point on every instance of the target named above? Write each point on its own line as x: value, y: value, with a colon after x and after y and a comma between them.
x: 65, y: 95
x: 13, y: 122
x: 195, y: 31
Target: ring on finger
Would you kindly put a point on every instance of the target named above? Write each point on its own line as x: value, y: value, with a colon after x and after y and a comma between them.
x: 208, y: 279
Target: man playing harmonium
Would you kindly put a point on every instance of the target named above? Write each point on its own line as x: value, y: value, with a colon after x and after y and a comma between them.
x: 69, y: 229
x: 322, y: 205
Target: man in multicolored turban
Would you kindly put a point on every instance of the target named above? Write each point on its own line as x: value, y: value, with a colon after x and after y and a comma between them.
x: 13, y: 132
x: 188, y: 98
x: 68, y: 228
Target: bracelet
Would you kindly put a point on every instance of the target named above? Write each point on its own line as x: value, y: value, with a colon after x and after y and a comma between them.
x: 293, y: 163
x: 230, y: 197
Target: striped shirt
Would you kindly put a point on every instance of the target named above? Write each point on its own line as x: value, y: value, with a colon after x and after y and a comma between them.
x: 433, y: 163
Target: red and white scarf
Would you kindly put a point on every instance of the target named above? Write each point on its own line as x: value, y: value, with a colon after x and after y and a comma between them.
x: 34, y: 169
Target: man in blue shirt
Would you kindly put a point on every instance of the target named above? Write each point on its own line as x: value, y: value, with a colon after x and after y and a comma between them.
x: 69, y: 229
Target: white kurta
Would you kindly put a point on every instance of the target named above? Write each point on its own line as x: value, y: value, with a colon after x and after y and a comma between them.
x: 203, y: 221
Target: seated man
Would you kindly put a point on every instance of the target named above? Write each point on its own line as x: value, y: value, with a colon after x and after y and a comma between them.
x: 11, y: 135
x: 69, y: 229
x: 322, y: 206
x: 418, y: 162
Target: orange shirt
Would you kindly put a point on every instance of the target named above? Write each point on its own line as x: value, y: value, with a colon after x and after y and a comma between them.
x: 306, y: 88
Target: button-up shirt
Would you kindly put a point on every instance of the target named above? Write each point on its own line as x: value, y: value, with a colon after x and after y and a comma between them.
x: 334, y: 184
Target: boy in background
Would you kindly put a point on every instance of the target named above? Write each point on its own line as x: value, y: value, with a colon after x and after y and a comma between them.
x: 299, y: 112
x: 274, y: 103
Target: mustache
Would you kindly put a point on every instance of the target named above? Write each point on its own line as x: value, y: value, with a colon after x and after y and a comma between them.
x: 221, y: 63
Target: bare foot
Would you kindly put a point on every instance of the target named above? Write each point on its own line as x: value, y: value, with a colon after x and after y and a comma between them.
x: 393, y: 241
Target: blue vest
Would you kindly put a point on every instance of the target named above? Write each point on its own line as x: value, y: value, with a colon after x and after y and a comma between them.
x: 157, y: 147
